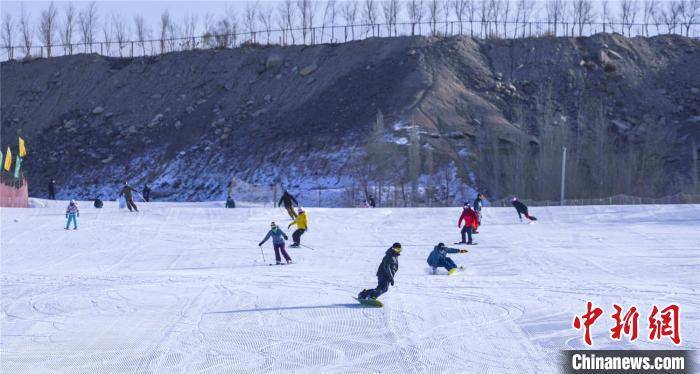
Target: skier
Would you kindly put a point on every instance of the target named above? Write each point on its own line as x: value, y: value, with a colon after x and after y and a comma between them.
x: 52, y: 190
x: 522, y: 210
x: 71, y: 213
x: 477, y: 207
x: 302, y: 227
x: 471, y: 222
x: 126, y: 191
x: 146, y: 193
x: 288, y: 199
x: 98, y: 203
x: 385, y: 274
x: 277, y: 242
x: 371, y: 201
x: 438, y: 258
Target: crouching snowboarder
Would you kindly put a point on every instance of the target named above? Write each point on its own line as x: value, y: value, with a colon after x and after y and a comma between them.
x: 438, y: 258
x: 302, y: 227
x: 277, y: 242
x: 385, y: 274
x: 71, y: 213
x: 522, y: 210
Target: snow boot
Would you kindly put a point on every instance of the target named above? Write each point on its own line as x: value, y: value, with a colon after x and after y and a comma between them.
x: 453, y: 271
x: 294, y: 245
x: 434, y: 270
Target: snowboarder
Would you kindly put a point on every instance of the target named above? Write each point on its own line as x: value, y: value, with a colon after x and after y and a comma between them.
x: 288, y: 199
x: 146, y: 193
x: 277, y: 242
x: 302, y: 226
x: 52, y: 190
x: 71, y: 213
x: 126, y: 192
x: 98, y: 203
x: 438, y: 258
x: 478, y: 202
x: 385, y: 274
x: 522, y: 210
x: 471, y: 222
x: 371, y: 201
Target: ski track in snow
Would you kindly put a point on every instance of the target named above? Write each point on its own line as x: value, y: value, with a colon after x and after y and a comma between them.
x: 182, y: 288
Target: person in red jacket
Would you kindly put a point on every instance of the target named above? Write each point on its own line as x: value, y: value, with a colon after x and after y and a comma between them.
x: 471, y: 222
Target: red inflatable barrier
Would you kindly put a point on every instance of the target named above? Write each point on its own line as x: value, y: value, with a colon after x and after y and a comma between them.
x: 14, y: 194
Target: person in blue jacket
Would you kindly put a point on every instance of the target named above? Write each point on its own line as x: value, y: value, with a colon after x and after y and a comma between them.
x: 277, y: 242
x: 438, y: 258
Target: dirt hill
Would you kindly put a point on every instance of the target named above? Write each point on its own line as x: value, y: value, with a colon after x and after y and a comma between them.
x: 489, y: 115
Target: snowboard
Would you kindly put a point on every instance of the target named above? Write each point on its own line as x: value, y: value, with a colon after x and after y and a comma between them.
x: 460, y: 243
x: 370, y: 302
x: 280, y: 264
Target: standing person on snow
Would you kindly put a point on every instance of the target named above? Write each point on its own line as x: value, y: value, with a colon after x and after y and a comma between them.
x: 302, y: 227
x: 146, y: 193
x: 522, y: 210
x: 385, y: 274
x: 438, y: 258
x: 371, y: 201
x: 288, y: 199
x: 277, y: 242
x: 52, y: 190
x: 478, y: 202
x: 471, y: 222
x: 126, y: 191
x: 71, y: 213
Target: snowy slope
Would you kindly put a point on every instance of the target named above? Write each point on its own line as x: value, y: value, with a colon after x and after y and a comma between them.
x: 182, y: 288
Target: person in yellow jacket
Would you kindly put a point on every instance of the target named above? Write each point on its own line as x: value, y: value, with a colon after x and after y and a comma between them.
x: 302, y: 226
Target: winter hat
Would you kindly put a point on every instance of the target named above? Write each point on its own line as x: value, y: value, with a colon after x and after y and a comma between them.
x: 72, y: 202
x: 272, y: 224
x: 441, y: 245
x: 396, y: 247
x: 514, y: 198
x: 300, y: 210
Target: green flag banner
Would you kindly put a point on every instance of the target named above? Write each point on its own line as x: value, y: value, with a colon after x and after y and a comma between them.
x: 18, y: 164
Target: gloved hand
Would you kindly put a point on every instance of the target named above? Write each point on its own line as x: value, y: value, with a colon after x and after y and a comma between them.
x: 78, y: 214
x: 260, y: 244
x: 392, y: 282
x: 66, y: 215
x: 288, y: 226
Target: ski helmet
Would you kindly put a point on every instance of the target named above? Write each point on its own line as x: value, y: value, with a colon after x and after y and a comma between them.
x: 514, y: 198
x: 72, y: 202
x: 300, y: 210
x: 396, y: 247
x: 273, y: 225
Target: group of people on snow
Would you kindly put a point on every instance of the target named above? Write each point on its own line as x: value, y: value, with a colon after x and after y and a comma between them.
x: 438, y: 257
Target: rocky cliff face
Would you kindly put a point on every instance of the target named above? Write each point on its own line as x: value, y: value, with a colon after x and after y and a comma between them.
x: 455, y: 114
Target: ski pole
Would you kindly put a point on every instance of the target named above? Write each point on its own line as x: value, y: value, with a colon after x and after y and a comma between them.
x: 262, y: 253
x: 306, y: 246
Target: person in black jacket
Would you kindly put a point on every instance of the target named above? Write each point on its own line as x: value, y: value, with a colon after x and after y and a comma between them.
x: 522, y: 210
x: 385, y: 274
x: 146, y: 193
x: 52, y: 190
x: 371, y: 202
x: 477, y: 207
x: 288, y: 200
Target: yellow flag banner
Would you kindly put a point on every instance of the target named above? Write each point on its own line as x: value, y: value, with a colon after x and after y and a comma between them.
x: 22, y: 149
x: 8, y: 159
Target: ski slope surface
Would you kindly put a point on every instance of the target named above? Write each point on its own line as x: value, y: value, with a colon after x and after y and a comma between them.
x: 183, y: 288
